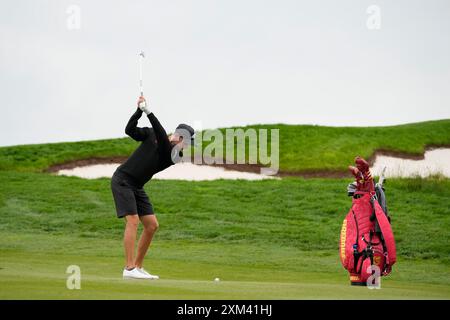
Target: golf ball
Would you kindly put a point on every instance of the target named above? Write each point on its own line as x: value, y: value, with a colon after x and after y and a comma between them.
x: 216, y: 279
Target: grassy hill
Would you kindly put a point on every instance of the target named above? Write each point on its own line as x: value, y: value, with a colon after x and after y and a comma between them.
x: 303, y: 148
x: 270, y: 239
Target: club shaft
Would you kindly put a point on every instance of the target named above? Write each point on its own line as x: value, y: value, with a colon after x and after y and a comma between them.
x: 140, y: 76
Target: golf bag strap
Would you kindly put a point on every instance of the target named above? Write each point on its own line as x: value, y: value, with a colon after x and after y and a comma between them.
x: 363, y: 255
x: 356, y: 258
x: 388, y: 235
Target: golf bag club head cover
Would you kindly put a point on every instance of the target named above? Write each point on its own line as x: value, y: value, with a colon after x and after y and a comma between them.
x: 366, y: 241
x: 363, y: 177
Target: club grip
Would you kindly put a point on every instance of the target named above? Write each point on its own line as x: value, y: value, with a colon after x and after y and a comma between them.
x: 142, y: 104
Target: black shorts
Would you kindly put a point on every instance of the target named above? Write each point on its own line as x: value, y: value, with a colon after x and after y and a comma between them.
x: 128, y: 198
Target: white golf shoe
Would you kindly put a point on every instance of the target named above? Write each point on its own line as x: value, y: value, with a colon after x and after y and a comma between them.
x: 135, y: 274
x: 150, y: 276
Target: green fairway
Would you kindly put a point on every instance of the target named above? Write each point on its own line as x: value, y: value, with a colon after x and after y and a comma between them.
x: 25, y: 275
x: 272, y: 239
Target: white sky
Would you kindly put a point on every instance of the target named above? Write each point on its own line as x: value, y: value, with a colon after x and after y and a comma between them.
x: 222, y: 63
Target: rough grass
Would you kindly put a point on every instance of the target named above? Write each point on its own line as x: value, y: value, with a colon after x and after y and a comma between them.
x: 301, y: 213
x: 303, y: 148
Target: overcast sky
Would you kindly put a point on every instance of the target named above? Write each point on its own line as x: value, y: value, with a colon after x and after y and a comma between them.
x: 229, y: 62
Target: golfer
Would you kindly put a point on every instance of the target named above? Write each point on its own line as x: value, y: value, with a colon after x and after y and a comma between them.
x: 156, y: 152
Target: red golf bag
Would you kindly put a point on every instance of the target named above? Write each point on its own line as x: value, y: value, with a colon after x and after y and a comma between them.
x: 366, y: 238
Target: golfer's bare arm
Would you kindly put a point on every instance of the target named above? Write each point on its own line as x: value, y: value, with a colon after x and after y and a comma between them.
x: 132, y: 130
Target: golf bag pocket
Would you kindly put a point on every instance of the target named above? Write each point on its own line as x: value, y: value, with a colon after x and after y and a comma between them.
x: 348, y: 238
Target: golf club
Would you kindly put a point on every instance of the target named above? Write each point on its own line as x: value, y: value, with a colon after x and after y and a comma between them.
x: 382, y: 178
x: 141, y: 89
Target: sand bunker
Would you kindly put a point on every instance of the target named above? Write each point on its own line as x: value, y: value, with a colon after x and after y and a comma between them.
x: 435, y: 162
x: 181, y: 171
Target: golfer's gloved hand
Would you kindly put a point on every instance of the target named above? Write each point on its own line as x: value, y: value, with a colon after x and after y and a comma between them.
x: 142, y: 104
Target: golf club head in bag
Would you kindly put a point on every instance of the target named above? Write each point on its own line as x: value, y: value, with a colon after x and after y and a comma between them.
x: 366, y: 240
